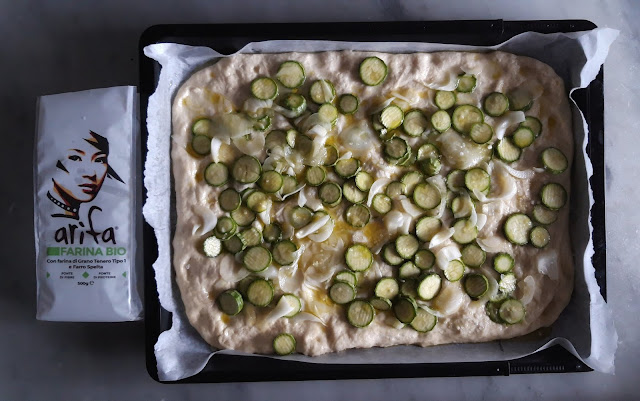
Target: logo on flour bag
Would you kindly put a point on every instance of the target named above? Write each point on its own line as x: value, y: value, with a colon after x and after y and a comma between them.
x: 77, y: 180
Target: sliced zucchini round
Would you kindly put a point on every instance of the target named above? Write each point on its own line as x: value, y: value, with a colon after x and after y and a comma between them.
x: 381, y: 304
x: 275, y: 139
x: 315, y: 175
x: 364, y: 180
x: 260, y: 292
x: 553, y: 196
x: 291, y: 74
x: 539, y: 237
x: 465, y: 116
x: 347, y: 168
x: 387, y: 287
x: 464, y: 232
x: 408, y: 270
x: 357, y: 215
x: 295, y: 103
x: 201, y: 144
x: 533, y: 124
x: 348, y: 103
x: 225, y: 227
x: 256, y: 259
x: 481, y: 133
x: 233, y: 245
x: 415, y: 123
x: 476, y: 285
x: 243, y: 216
x: 473, y: 255
x: 396, y: 148
x: 511, y: 311
x: 406, y: 246
x: 272, y: 232
x: 284, y: 252
x: 202, y: 126
x: 405, y: 309
x: 246, y: 169
x: 381, y: 203
x: 258, y: 201
x: 390, y: 256
x: 284, y: 344
x: 424, y: 321
x: 391, y: 117
x: 229, y: 200
x: 322, y: 91
x: 410, y: 180
x: 331, y: 155
x: 507, y: 151
x: 478, y: 179
x: 289, y: 184
x: 424, y: 259
x: 373, y: 71
x: 429, y: 286
x: 342, y: 293
x: 330, y: 194
x: 454, y: 270
x: 230, y: 302
x: 346, y: 276
x: 250, y: 237
x: 522, y: 137
x: 300, y: 216
x: 426, y: 196
x: 544, y: 215
x: 394, y: 189
x: 409, y: 288
x: 519, y: 99
x: 328, y: 113
x: 264, y: 88
x: 554, y: 160
x: 360, y: 313
x: 455, y: 180
x: 466, y: 83
x: 216, y: 174
x: 262, y: 124
x: 358, y: 257
x: 445, y: 100
x: 271, y: 181
x: 352, y: 193
x: 461, y: 206
x: 503, y: 262
x: 427, y: 151
x: 495, y: 104
x: 516, y: 228
x: 441, y: 120
x: 211, y: 247
x: 431, y: 166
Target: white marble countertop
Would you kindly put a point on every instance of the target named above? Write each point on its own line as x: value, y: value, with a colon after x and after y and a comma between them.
x: 52, y: 47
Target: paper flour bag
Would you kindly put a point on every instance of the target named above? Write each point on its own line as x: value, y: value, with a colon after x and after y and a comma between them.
x: 85, y: 214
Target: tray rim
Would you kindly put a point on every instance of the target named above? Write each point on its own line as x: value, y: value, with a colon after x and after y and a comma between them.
x: 541, y: 362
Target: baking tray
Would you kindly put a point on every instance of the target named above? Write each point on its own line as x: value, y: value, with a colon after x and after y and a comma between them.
x: 227, y: 39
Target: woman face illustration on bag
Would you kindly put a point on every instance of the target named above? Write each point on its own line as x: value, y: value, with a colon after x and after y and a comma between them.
x: 80, y: 174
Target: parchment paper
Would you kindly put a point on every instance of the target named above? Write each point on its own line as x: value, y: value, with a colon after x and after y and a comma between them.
x: 585, y: 328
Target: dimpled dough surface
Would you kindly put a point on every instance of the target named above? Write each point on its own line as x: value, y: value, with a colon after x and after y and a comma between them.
x: 225, y: 85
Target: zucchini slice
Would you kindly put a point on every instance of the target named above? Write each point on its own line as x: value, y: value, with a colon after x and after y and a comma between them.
x: 406, y: 246
x: 243, y: 216
x: 342, y: 293
x: 250, y: 237
x: 295, y: 103
x: 233, y: 245
x: 291, y: 74
x: 328, y: 113
x: 284, y: 344
x: 394, y: 189
x: 431, y: 166
x: 461, y: 206
x: 481, y: 133
x: 503, y: 263
x: 229, y: 200
x: 358, y: 257
x: 284, y: 252
x: 275, y: 139
x: 455, y: 180
x: 225, y: 227
x: 396, y: 148
x: 216, y: 174
x: 373, y: 71
x: 258, y: 201
x: 466, y: 83
x: 522, y: 137
x: 408, y: 270
x: 473, y: 255
x: 202, y: 126
x: 424, y: 259
x: 507, y: 151
x: 289, y: 184
x: 445, y: 100
x: 539, y: 237
x: 410, y: 180
x: 322, y: 91
x: 264, y: 88
x: 364, y: 180
x: 390, y: 256
x: 262, y: 124
x: 391, y: 117
x: 246, y: 170
x: 381, y: 304
x: 300, y: 216
x: 554, y: 160
x: 409, y: 288
x: 516, y: 228
x: 201, y: 144
x: 230, y: 302
x: 454, y: 270
x: 330, y: 194
x: 441, y: 120
x: 346, y: 276
x: 464, y: 232
x: 348, y: 103
x: 424, y: 321
x: 511, y: 311
x: 331, y: 155
x: 553, y: 196
x: 381, y: 203
x: 315, y: 175
x: 465, y: 116
x: 357, y: 215
x: 519, y: 100
x: 256, y: 259
x: 360, y: 313
x: 426, y: 196
x: 427, y: 151
x: 543, y: 215
x: 477, y: 178
x: 352, y: 193
x: 260, y: 292
x: 271, y: 181
x: 476, y: 285
x: 533, y: 124
x: 211, y: 247
x: 272, y: 232
x: 495, y: 104
x: 415, y: 123
x: 405, y: 309
x: 387, y: 287
x: 429, y: 286
x: 347, y: 168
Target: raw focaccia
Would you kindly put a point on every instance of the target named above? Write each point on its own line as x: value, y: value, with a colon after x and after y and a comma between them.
x: 544, y: 277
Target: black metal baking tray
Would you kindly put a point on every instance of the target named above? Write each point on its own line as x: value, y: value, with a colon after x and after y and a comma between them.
x: 228, y: 38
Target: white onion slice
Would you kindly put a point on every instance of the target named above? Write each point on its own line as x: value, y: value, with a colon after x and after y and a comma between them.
x: 482, y: 220
x: 358, y: 236
x: 323, y: 233
x: 313, y: 226
x: 288, y: 280
x: 208, y: 217
x: 446, y: 255
x: 251, y: 145
x: 285, y: 112
x: 426, y: 306
x: 410, y: 101
x: 507, y: 120
x: 215, y: 149
x: 492, y: 291
x: 491, y: 244
x: 449, y: 300
x: 282, y: 309
x: 438, y: 182
x: 345, y: 156
x: 528, y: 286
x: 308, y: 317
x: 509, y: 190
x: 359, y: 137
x: 376, y: 187
x: 410, y: 208
x: 522, y: 174
x: 295, y: 191
x: 230, y: 270
x: 318, y: 130
x: 473, y: 219
x: 441, y: 237
x: 266, y: 215
x: 394, y: 221
x: 383, y: 105
x: 253, y: 105
x: 547, y: 263
x: 270, y: 272
x: 447, y: 83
